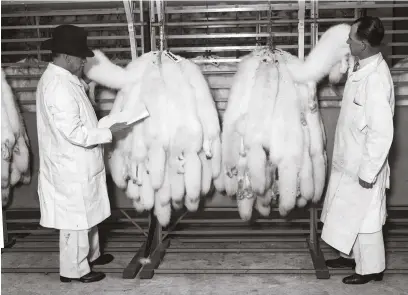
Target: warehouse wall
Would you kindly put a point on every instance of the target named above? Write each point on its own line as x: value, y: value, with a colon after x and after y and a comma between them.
x: 26, y: 196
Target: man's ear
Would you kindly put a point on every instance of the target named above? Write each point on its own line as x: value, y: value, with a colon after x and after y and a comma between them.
x: 364, y: 44
x: 67, y: 58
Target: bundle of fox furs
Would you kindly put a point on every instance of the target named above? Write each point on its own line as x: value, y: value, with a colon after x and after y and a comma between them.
x: 14, y: 143
x: 273, y: 138
x: 172, y: 156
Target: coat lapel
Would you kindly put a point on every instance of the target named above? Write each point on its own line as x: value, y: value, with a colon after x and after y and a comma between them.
x: 367, y: 70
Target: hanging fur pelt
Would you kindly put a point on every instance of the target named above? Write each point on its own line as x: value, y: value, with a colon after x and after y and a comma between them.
x: 171, y: 157
x: 273, y: 139
x: 331, y: 56
x: 14, y: 142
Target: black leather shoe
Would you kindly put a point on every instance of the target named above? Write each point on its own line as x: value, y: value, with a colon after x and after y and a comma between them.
x: 341, y: 262
x: 88, y: 278
x: 357, y: 279
x: 102, y: 260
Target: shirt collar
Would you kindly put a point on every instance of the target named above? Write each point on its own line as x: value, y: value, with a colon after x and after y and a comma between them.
x: 363, y: 62
x: 369, y: 65
x: 57, y: 69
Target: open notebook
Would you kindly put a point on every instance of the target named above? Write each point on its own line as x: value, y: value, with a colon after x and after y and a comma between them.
x: 129, y: 116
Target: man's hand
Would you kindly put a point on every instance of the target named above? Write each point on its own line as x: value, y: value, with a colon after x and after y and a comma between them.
x: 365, y: 184
x: 117, y: 127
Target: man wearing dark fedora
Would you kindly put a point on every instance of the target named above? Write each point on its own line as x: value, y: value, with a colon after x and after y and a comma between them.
x: 72, y: 180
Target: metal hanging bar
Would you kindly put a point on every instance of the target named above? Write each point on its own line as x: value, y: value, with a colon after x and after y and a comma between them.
x: 316, y: 253
x: 131, y: 28
x: 270, y: 43
x: 142, y: 27
x: 301, y: 29
x: 161, y: 19
x: 153, y: 45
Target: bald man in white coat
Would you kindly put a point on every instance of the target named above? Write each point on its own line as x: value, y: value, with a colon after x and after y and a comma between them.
x: 354, y: 210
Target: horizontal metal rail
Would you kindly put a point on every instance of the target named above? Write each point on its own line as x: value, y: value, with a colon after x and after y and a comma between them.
x: 96, y: 25
x: 23, y: 52
x: 266, y: 22
x: 28, y: 40
x: 69, y: 12
x: 275, y: 6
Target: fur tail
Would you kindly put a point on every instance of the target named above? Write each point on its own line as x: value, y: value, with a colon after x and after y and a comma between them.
x: 157, y: 162
x: 216, y: 157
x: 319, y: 175
x: 147, y: 192
x: 15, y: 175
x: 5, y: 173
x: 288, y: 179
x: 306, y: 171
x: 176, y: 182
x: 162, y: 212
x: 301, y: 202
x: 263, y: 203
x: 26, y: 177
x: 257, y: 166
x: 5, y: 192
x: 138, y: 205
x: 206, y: 173
x: 192, y: 178
x: 118, y: 170
x: 245, y: 207
x: 132, y: 190
x: 101, y: 70
x: 219, y: 183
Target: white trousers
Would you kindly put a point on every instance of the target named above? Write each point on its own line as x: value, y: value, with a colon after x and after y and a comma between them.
x: 369, y: 253
x: 77, y: 247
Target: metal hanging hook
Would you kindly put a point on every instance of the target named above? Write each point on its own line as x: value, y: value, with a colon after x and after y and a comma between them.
x: 270, y: 43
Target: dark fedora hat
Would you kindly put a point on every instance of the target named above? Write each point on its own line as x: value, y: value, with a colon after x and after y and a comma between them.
x: 70, y: 40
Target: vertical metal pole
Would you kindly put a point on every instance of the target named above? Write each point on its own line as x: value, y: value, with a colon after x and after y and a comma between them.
x: 161, y: 19
x: 37, y: 23
x: 258, y: 26
x: 131, y: 27
x: 301, y: 29
x: 314, y: 38
x: 153, y: 46
x: 142, y: 26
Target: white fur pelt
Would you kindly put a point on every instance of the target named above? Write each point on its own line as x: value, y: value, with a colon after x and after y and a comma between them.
x: 14, y: 142
x: 172, y: 156
x: 272, y: 126
x: 329, y: 57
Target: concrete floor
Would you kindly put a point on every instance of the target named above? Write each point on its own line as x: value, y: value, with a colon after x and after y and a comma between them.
x: 46, y: 284
x: 40, y: 284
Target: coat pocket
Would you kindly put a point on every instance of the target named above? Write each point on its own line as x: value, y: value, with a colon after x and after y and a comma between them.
x: 95, y: 189
x: 359, y: 121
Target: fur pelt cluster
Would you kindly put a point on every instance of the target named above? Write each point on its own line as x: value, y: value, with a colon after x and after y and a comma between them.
x: 172, y: 156
x: 272, y: 141
x: 15, y: 157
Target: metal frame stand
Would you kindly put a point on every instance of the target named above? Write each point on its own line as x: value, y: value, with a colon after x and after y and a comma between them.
x: 150, y: 254
x: 319, y: 263
x: 8, y: 242
x: 322, y: 272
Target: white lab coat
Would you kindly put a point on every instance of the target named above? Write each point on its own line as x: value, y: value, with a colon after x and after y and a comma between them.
x: 364, y: 134
x: 72, y: 180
